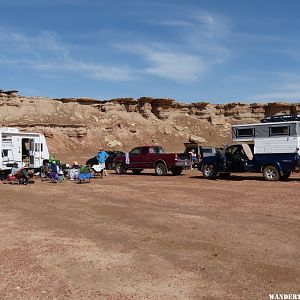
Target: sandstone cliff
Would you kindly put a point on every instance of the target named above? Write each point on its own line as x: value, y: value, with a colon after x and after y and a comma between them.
x: 82, y: 125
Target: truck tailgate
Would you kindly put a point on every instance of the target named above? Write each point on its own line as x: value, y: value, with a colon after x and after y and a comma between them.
x: 183, y: 160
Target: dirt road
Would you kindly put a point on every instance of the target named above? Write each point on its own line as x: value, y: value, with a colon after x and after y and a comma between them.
x: 149, y: 237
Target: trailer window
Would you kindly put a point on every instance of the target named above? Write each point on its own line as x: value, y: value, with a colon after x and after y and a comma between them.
x: 245, y: 132
x: 42, y: 147
x: 37, y: 147
x: 6, y: 139
x: 7, y: 155
x: 279, y: 130
x: 4, y: 153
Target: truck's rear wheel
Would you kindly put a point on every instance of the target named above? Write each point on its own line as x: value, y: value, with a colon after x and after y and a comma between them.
x: 271, y: 173
x: 209, y: 171
x: 137, y: 171
x: 120, y: 169
x: 176, y: 171
x: 160, y: 169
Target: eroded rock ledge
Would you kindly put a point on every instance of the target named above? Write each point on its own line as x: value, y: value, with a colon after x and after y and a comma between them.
x: 162, y: 108
x: 125, y: 122
x: 215, y: 113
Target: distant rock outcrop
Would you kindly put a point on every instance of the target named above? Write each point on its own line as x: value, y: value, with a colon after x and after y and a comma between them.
x: 82, y: 124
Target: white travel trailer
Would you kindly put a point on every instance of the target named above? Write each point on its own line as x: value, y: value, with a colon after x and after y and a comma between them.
x: 26, y: 149
x: 270, y: 137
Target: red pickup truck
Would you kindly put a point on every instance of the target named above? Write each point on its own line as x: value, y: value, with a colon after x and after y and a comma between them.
x: 152, y: 157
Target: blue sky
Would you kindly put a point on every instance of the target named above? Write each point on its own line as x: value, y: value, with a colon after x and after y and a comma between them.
x: 190, y: 50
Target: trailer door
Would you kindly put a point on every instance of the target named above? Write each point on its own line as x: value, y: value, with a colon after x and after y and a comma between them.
x: 31, y: 153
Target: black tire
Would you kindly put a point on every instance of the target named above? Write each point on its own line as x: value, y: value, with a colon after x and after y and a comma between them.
x: 160, y: 169
x: 120, y: 169
x: 285, y: 175
x: 271, y: 173
x: 137, y: 171
x: 176, y: 171
x: 209, y: 171
x: 224, y: 175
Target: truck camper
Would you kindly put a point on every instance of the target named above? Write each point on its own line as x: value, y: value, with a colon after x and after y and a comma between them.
x: 271, y: 147
x: 27, y: 150
x: 274, y: 137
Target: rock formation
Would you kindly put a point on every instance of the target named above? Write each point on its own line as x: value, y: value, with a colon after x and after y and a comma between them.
x: 81, y: 125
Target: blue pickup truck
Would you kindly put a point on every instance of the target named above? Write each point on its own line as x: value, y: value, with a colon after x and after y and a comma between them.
x: 240, y: 159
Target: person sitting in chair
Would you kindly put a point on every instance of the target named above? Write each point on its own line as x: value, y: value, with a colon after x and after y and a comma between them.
x: 13, y: 171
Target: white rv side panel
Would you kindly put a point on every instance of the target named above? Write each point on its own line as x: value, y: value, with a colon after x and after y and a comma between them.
x: 45, y: 152
x: 11, y: 149
x: 1, y: 159
x: 276, y: 145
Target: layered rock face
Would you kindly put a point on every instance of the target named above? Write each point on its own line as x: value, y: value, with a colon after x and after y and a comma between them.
x: 81, y: 125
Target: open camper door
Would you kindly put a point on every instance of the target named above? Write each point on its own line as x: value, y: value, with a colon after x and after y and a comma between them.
x: 28, y: 152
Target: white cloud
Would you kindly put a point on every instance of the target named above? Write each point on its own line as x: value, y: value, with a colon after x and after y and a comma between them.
x: 278, y: 96
x: 288, y: 91
x: 190, y: 46
x: 197, y: 48
x: 42, y: 44
x: 176, y: 66
x: 164, y: 63
x: 45, y: 52
x: 96, y: 71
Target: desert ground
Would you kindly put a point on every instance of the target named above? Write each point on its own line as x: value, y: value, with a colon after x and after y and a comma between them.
x: 149, y: 237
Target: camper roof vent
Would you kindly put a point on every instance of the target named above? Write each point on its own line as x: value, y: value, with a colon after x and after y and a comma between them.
x: 280, y: 118
x: 9, y: 129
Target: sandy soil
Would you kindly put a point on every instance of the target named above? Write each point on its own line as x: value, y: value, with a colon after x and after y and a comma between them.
x: 149, y: 237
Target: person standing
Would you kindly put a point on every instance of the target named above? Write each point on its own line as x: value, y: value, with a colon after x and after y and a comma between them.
x: 193, y: 157
x: 102, y: 156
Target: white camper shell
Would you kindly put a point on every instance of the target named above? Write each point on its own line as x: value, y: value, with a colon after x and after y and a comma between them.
x: 26, y: 149
x: 273, y: 137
